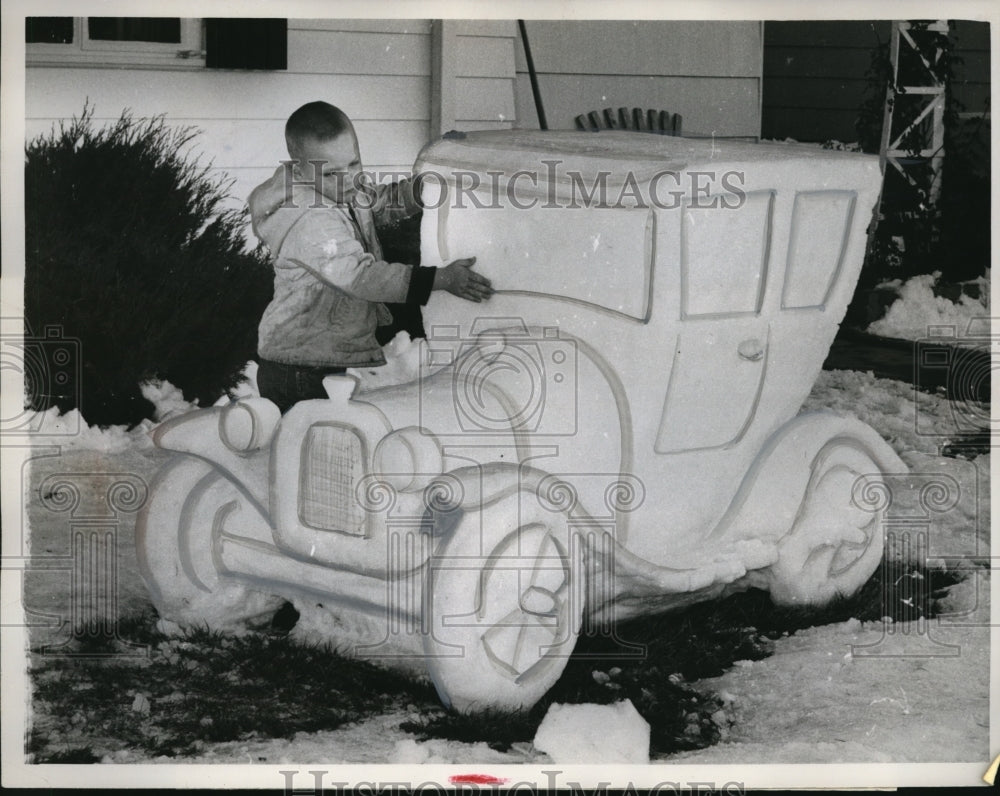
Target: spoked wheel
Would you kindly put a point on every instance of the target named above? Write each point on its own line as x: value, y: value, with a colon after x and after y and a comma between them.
x: 176, y: 546
x: 504, y: 615
x: 837, y: 540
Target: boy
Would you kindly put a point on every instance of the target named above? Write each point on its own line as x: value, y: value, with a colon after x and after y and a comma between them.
x: 329, y: 275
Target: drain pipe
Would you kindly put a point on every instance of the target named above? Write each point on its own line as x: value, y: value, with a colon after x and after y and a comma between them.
x: 542, y: 124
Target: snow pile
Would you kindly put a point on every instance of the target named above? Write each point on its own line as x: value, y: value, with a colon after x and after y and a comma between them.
x: 70, y: 431
x: 908, y: 419
x: 840, y: 146
x: 864, y: 692
x: 402, y: 365
x: 588, y: 733
x: 167, y: 400
x: 918, y: 308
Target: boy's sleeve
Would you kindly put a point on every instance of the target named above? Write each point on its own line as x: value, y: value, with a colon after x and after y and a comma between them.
x: 328, y: 250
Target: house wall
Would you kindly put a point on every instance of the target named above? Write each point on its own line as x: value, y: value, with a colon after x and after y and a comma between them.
x: 709, y: 72
x: 404, y: 83
x: 484, y: 76
x: 814, y: 74
x: 378, y: 71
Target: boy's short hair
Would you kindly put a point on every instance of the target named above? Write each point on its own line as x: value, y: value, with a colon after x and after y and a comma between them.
x: 318, y: 120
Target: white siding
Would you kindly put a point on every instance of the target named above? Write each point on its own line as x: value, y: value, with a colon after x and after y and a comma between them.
x: 709, y: 72
x: 477, y: 73
x: 378, y: 71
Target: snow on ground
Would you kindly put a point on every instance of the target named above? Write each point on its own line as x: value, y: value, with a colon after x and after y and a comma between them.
x: 375, y: 740
x: 918, y: 425
x: 862, y: 692
x: 71, y: 432
x: 840, y: 693
x: 917, y: 308
x: 875, y: 692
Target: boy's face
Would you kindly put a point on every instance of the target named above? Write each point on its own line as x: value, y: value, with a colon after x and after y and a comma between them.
x: 340, y: 165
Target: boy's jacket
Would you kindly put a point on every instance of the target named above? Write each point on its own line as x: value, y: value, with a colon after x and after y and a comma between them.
x: 329, y: 277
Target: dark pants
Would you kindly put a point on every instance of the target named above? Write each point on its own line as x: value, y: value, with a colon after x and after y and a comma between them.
x: 287, y: 384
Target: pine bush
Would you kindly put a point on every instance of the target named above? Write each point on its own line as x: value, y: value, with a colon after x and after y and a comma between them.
x: 131, y: 250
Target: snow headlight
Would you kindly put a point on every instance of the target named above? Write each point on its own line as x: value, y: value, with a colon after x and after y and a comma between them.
x: 249, y: 424
x: 408, y: 459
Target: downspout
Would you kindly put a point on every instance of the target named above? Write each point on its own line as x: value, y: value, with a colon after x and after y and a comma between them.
x: 539, y: 109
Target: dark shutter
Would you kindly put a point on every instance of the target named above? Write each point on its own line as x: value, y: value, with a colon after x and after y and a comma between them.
x: 246, y: 43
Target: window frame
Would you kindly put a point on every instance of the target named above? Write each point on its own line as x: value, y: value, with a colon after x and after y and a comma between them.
x: 84, y: 51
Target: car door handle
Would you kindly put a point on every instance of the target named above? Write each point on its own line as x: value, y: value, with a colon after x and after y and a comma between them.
x: 752, y: 350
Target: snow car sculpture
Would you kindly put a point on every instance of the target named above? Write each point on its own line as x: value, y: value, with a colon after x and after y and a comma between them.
x: 615, y: 432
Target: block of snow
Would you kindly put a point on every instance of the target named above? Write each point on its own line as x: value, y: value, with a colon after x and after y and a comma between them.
x: 594, y: 734
x: 698, y: 283
x: 663, y: 308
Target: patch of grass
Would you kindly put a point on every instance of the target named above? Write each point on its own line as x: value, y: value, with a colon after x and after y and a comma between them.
x: 76, y: 755
x: 201, y: 688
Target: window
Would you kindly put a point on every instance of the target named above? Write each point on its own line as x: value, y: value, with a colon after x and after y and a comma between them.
x: 724, y: 253
x: 134, y: 29
x: 49, y: 30
x: 821, y: 226
x: 165, y: 41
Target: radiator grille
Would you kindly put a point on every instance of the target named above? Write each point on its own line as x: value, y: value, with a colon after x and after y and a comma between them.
x: 332, y: 463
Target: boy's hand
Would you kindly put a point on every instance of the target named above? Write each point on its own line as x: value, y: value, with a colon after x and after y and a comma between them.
x: 460, y: 280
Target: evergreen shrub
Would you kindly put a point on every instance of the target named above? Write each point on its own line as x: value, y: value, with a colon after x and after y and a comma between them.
x: 132, y: 251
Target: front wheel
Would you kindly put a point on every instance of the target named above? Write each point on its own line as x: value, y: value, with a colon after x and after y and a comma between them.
x: 504, y: 596
x: 176, y: 536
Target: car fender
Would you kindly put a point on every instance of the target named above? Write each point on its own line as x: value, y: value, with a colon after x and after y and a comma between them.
x: 769, y: 497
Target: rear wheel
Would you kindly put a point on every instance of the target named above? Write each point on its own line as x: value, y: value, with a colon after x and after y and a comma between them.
x: 836, y: 542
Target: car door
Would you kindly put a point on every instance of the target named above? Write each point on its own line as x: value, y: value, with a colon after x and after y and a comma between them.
x: 720, y: 359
